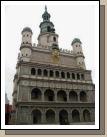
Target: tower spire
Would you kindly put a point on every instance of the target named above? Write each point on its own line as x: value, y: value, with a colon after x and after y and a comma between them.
x: 46, y: 16
x: 46, y: 25
x: 45, y: 8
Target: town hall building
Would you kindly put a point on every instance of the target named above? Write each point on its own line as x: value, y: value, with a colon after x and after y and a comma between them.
x: 52, y: 85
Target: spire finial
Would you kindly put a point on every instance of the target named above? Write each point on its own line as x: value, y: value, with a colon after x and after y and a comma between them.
x: 45, y: 8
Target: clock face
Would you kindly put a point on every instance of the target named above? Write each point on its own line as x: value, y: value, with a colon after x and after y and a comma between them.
x: 55, y: 55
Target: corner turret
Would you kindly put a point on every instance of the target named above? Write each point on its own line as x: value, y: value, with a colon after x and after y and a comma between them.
x: 77, y: 49
x: 26, y: 44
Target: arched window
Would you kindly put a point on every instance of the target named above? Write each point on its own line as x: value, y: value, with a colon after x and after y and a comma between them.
x: 78, y: 76
x: 86, y: 115
x: 50, y: 116
x: 45, y: 17
x: 49, y: 95
x: 39, y: 72
x: 75, y: 116
x: 61, y: 95
x: 62, y: 75
x: 73, y: 76
x: 36, y: 116
x: 63, y: 117
x: 51, y: 73
x: 73, y: 96
x: 57, y: 74
x: 33, y: 71
x: 48, y: 28
x: 36, y: 94
x: 54, y: 38
x: 83, y: 96
x: 45, y: 72
x: 68, y: 75
x: 82, y: 76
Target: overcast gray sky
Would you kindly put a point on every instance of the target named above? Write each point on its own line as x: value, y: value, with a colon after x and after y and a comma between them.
x: 70, y: 21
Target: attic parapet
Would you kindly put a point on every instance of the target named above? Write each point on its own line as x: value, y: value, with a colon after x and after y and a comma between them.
x: 65, y: 51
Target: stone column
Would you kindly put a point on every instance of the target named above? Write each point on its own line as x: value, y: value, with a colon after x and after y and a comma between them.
x: 54, y: 74
x: 67, y: 96
x: 29, y: 116
x: 81, y: 116
x: 75, y: 76
x: 59, y: 74
x: 48, y: 73
x: 16, y: 116
x: 42, y: 72
x: 78, y: 94
x: 92, y: 114
x: 57, y: 117
x: 43, y: 96
x: 43, y: 118
x: 66, y: 75
x: 55, y: 92
x: 69, y: 117
x: 29, y: 95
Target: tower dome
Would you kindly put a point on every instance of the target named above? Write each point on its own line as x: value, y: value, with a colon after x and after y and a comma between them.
x: 26, y: 29
x: 76, y: 40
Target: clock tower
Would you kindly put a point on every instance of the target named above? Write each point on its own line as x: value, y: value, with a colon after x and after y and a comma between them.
x: 47, y: 36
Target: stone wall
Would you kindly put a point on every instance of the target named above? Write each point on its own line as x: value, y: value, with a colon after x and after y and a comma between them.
x: 45, y: 57
x: 25, y: 115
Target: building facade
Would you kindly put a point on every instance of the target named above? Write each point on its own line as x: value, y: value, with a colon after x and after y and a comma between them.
x: 52, y: 85
x: 8, y: 110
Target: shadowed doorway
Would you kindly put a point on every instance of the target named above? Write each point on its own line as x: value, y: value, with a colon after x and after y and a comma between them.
x: 36, y: 116
x: 63, y: 117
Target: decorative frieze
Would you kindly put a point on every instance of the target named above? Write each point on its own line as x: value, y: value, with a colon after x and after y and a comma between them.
x: 55, y: 84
